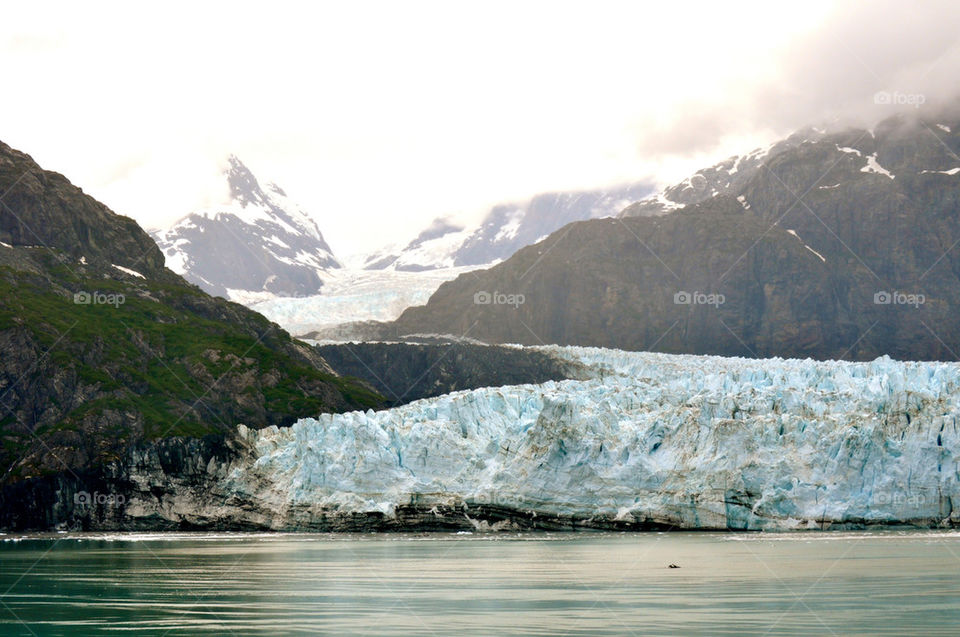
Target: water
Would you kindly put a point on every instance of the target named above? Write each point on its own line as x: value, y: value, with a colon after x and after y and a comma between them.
x: 890, y: 583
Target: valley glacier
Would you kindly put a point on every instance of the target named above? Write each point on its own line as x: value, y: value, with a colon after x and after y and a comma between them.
x: 352, y: 295
x: 647, y: 441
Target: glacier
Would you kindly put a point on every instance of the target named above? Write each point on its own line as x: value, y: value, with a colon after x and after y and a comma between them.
x: 645, y: 441
x: 350, y: 294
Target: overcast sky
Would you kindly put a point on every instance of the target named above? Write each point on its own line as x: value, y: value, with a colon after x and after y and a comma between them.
x: 378, y: 117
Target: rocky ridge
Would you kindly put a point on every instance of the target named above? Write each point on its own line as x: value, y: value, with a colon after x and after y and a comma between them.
x: 840, y: 246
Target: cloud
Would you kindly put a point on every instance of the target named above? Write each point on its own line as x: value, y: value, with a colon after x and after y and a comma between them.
x: 380, y: 117
x: 831, y: 74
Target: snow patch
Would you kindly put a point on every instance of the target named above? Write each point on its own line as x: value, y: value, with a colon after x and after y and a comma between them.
x: 659, y: 198
x: 815, y: 252
x: 435, y: 253
x: 250, y: 297
x: 873, y: 167
x: 794, y: 233
x: 848, y: 149
x: 952, y: 171
x: 510, y: 229
x: 175, y: 258
x: 277, y: 241
x: 128, y: 271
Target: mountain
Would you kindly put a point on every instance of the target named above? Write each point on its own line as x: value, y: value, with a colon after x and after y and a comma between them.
x: 723, y: 178
x: 504, y: 230
x: 841, y: 245
x: 103, y: 349
x: 256, y: 245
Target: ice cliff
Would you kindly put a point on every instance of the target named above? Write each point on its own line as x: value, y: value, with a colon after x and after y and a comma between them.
x: 650, y: 441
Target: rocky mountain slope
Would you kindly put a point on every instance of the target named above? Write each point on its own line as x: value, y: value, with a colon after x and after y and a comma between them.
x: 256, y: 245
x: 843, y: 245
x: 503, y: 231
x: 405, y: 372
x: 103, y: 348
x: 723, y: 178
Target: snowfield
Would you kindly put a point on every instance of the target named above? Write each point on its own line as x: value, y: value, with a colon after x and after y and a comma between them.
x: 688, y: 441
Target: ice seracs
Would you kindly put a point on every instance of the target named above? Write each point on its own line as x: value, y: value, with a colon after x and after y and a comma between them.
x: 686, y: 441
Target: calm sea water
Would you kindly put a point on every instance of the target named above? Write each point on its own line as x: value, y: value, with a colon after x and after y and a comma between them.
x: 890, y: 583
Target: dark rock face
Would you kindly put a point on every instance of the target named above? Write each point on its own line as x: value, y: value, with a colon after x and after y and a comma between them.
x: 406, y: 372
x: 261, y: 242
x: 96, y: 358
x: 42, y: 208
x: 354, y: 331
x: 162, y: 473
x: 839, y: 247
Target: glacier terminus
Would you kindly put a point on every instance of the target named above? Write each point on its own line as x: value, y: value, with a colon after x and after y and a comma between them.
x: 645, y: 441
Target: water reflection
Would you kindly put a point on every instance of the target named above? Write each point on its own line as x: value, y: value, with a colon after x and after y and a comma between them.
x: 535, y: 584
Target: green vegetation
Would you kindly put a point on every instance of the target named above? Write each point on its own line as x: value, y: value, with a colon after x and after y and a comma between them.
x: 167, y: 361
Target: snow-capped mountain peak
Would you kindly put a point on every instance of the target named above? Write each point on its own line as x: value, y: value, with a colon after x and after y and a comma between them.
x: 725, y: 177
x: 271, y: 203
x: 257, y: 243
x: 503, y: 230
